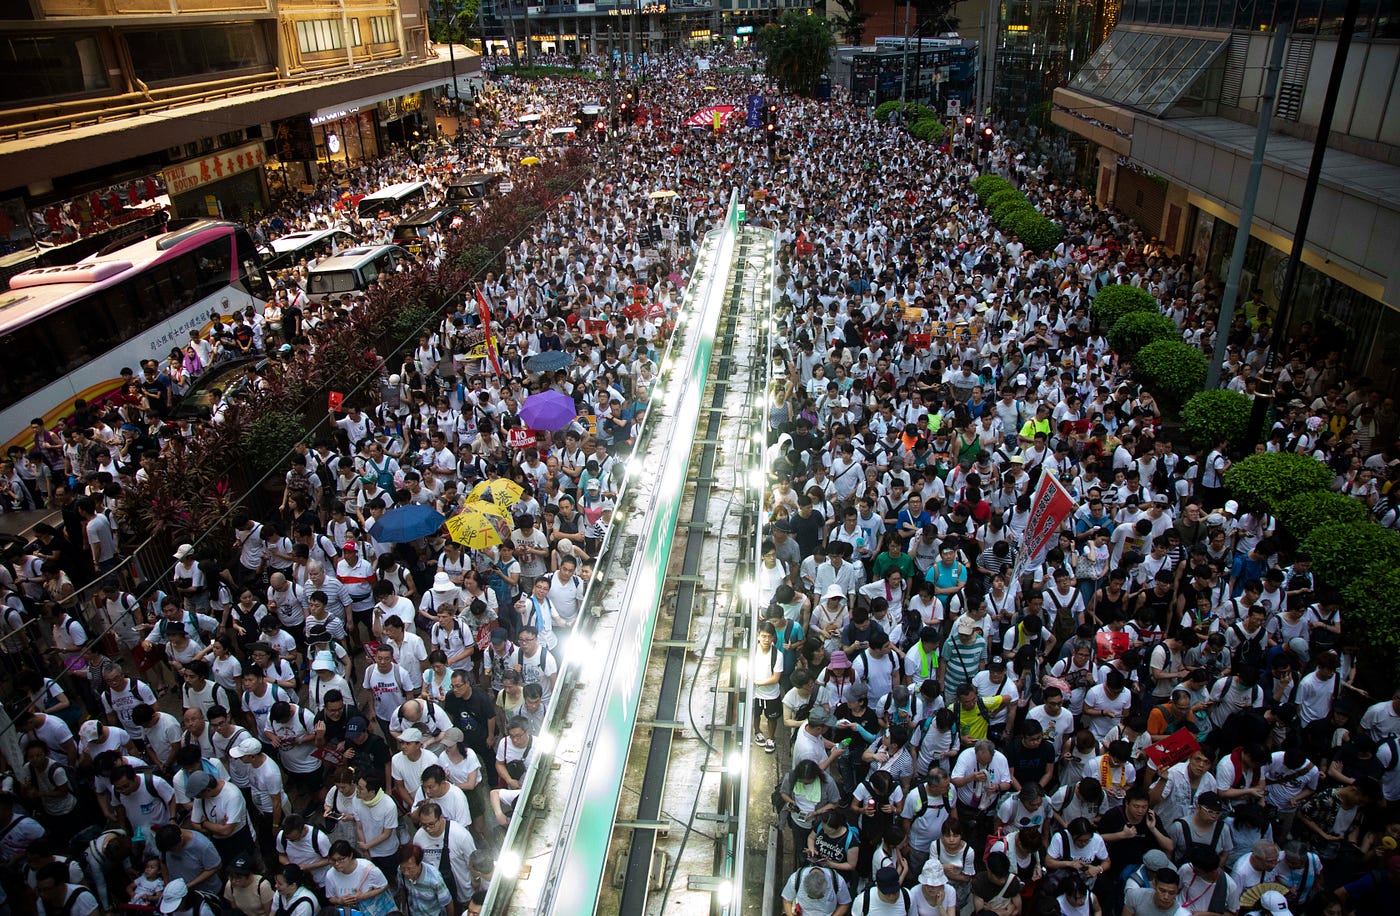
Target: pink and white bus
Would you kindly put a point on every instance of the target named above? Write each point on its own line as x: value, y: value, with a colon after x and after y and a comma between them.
x: 66, y: 332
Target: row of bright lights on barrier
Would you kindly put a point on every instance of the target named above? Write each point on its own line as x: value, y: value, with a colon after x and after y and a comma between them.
x: 579, y: 649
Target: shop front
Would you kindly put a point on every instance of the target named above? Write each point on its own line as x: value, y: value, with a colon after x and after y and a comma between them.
x: 1362, y: 329
x: 406, y: 119
x: 344, y: 139
x: 224, y: 185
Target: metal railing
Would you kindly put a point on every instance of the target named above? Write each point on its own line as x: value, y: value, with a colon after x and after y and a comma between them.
x: 758, y: 483
x: 44, y: 119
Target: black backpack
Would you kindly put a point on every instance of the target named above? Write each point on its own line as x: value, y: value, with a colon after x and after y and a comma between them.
x: 903, y: 892
x: 1250, y: 652
x: 1182, y: 853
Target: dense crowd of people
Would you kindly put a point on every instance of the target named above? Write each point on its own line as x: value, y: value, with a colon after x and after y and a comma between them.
x: 1161, y: 716
x: 311, y: 716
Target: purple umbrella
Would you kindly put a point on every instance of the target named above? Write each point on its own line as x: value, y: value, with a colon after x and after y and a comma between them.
x: 548, y: 410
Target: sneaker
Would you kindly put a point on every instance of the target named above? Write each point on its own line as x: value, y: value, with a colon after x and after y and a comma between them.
x: 769, y: 747
x: 763, y: 742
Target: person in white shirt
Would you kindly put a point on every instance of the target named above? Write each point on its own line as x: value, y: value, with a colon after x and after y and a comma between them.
x: 305, y: 846
x: 1318, y: 689
x: 537, y: 666
x: 1261, y: 865
x: 1106, y: 704
x: 817, y: 889
x: 1079, y: 843
x: 767, y: 667
x: 407, y: 766
x: 1054, y: 719
x: 1175, y: 792
x: 921, y: 661
x: 878, y: 666
x: 447, y: 846
x: 1382, y: 720
x: 883, y: 898
x: 566, y: 590
x: 410, y: 652
x: 980, y: 775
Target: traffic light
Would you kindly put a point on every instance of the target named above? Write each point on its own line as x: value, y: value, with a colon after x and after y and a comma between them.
x: 770, y: 122
x: 987, y: 139
x: 967, y: 125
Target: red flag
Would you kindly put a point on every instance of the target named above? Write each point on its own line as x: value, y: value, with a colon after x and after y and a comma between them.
x: 1049, y: 509
x: 485, y: 311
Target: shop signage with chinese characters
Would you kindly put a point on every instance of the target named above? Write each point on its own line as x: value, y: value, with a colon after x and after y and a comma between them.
x: 184, y: 177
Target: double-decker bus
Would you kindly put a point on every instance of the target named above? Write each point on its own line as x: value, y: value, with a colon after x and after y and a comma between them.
x: 67, y: 331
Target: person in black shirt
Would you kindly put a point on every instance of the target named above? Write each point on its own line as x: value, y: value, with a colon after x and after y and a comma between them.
x: 855, y: 719
x: 333, y: 720
x: 473, y: 712
x: 1130, y: 832
x: 365, y: 752
x: 157, y: 391
x: 808, y: 525
x: 1355, y: 760
x: 1030, y: 758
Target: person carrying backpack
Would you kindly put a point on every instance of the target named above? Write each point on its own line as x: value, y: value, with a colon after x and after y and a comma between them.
x: 180, y: 898
x: 1248, y: 639
x: 884, y: 896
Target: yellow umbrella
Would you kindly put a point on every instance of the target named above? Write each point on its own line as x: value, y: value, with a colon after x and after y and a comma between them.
x: 710, y: 88
x: 474, y: 527
x: 661, y: 195
x: 500, y: 491
x: 530, y: 160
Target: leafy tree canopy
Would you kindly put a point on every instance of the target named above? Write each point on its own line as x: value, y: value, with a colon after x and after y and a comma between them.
x: 797, y: 49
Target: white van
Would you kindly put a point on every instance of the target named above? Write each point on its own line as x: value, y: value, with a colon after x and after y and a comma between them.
x: 352, y: 271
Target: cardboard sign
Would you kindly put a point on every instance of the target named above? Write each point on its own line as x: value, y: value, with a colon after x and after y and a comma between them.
x: 521, y: 438
x: 329, y: 755
x: 595, y: 327
x: 920, y: 341
x: 334, y: 400
x: 479, y: 350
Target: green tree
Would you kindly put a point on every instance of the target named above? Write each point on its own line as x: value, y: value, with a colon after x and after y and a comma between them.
x: 851, y: 22
x: 444, y: 28
x: 797, y: 51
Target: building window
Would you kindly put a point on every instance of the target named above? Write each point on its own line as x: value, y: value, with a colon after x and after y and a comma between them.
x: 319, y: 35
x: 49, y: 66
x: 355, y: 33
x: 381, y: 30
x: 159, y: 55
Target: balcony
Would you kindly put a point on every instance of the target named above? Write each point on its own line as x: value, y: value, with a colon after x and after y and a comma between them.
x: 90, y: 9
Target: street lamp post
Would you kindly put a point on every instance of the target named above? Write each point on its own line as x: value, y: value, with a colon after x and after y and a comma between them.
x: 452, y: 61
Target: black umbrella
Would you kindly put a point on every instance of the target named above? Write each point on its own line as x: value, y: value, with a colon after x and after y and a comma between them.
x: 549, y: 360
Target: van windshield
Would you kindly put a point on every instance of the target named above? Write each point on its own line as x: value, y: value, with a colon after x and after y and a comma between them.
x: 333, y: 281
x: 370, y: 208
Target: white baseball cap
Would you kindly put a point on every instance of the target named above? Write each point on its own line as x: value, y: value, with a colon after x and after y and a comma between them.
x: 245, y: 748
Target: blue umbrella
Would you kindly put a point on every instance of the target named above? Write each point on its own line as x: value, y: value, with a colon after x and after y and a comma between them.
x: 549, y: 361
x: 548, y: 410
x: 406, y: 523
